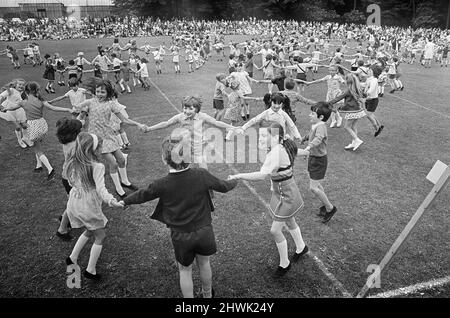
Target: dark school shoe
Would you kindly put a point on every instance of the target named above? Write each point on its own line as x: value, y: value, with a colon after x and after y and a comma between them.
x: 69, y: 261
x: 51, y: 175
x: 297, y: 256
x: 66, y: 237
x: 60, y: 219
x: 123, y: 196
x: 322, y: 211
x: 329, y: 215
x: 130, y: 186
x: 281, y: 271
x: 88, y: 275
x: 379, y: 131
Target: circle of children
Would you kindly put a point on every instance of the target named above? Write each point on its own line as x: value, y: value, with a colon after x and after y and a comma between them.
x: 95, y: 131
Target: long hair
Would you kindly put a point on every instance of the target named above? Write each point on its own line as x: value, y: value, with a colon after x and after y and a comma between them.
x: 79, y: 166
x: 354, y: 87
x: 11, y: 84
x: 288, y: 144
x: 33, y: 88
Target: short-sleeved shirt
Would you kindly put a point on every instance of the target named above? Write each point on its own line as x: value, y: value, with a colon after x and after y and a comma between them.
x: 219, y: 90
x: 241, y: 78
x: 33, y: 107
x: 76, y: 97
x: 194, y: 124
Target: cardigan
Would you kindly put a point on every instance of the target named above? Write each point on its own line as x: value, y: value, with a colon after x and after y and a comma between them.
x: 184, y: 201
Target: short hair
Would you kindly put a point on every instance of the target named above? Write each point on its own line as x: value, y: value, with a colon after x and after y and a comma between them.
x: 220, y: 76
x: 376, y: 70
x: 172, y: 152
x: 289, y: 84
x: 73, y: 82
x: 67, y: 129
x: 192, y: 101
x: 322, y: 109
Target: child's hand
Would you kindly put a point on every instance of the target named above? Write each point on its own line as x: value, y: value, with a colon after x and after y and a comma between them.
x: 232, y: 177
x: 116, y: 204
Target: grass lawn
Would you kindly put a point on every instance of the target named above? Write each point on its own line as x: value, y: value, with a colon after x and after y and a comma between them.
x: 376, y: 189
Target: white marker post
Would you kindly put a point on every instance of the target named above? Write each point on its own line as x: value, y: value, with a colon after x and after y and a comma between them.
x: 439, y: 175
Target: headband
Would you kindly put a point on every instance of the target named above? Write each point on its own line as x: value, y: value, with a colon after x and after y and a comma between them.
x: 95, y: 138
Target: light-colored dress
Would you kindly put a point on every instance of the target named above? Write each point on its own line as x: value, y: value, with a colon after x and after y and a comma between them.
x: 100, y: 121
x: 84, y: 207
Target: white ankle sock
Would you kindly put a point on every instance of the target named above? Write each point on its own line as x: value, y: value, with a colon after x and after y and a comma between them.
x: 124, y: 176
x: 81, y: 242
x: 18, y: 135
x: 297, y: 236
x: 46, y: 163
x: 283, y: 251
x: 116, y: 181
x: 124, y: 137
x: 93, y: 258
x: 38, y: 162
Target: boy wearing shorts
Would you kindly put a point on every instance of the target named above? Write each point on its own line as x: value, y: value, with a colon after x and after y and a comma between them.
x: 185, y: 207
x: 318, y: 160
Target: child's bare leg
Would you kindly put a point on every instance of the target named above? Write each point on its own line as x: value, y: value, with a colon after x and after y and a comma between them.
x: 205, y: 275
x: 186, y: 283
x: 316, y: 188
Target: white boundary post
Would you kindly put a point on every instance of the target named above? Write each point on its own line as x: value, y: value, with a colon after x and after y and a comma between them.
x: 439, y: 175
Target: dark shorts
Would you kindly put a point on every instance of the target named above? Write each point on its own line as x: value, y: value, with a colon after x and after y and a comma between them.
x: 391, y: 76
x: 73, y: 76
x: 218, y: 104
x: 317, y: 167
x: 66, y: 185
x: 187, y: 245
x: 371, y: 104
x: 301, y: 76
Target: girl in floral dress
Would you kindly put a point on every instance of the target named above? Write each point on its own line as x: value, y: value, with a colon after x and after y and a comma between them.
x: 100, y: 110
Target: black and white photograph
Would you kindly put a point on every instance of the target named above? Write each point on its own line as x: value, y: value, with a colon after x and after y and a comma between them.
x: 252, y: 151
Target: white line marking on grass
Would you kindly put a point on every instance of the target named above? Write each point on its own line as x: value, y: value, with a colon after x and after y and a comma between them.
x: 413, y: 103
x: 319, y: 263
x: 414, y: 288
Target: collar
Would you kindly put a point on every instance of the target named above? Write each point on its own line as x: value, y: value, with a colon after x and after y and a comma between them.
x: 270, y: 111
x: 171, y: 170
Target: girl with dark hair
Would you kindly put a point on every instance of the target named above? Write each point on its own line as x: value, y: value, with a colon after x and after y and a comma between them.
x: 286, y: 200
x: 33, y: 104
x: 100, y: 110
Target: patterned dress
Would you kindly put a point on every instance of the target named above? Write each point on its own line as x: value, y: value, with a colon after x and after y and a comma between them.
x: 233, y: 111
x: 100, y: 121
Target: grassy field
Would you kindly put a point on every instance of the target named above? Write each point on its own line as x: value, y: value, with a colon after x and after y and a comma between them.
x: 376, y: 189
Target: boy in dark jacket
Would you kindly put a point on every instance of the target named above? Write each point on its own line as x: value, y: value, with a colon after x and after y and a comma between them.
x: 185, y: 206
